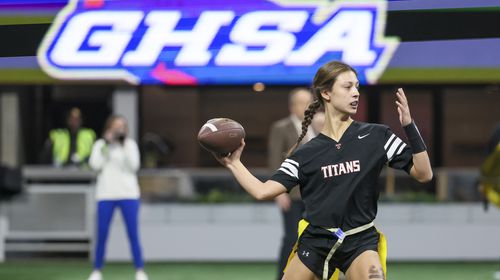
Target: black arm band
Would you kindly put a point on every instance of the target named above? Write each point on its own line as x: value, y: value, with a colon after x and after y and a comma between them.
x: 416, y: 142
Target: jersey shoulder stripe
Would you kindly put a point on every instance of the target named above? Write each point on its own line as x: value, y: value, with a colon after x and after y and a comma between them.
x: 401, y: 148
x: 292, y: 162
x: 389, y: 142
x: 290, y: 169
x: 286, y: 171
x: 394, y: 146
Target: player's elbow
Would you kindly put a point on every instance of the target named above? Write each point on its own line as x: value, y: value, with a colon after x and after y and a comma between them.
x: 264, y: 195
x: 259, y: 197
x: 268, y: 190
x: 425, y: 177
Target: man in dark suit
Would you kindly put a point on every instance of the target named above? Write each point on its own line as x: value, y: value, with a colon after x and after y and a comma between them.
x: 284, y: 134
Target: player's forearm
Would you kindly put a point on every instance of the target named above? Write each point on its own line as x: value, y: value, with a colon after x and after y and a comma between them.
x: 250, y: 183
x: 422, y: 170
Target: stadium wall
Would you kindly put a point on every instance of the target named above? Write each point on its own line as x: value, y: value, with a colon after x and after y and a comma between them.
x: 252, y: 232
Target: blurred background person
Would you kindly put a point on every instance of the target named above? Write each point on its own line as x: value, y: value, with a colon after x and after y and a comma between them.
x: 489, y: 185
x: 71, y: 145
x: 117, y: 159
x: 283, y: 136
x: 318, y: 122
x: 489, y: 181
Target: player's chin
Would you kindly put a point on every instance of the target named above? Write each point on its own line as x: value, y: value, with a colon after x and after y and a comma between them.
x: 352, y: 110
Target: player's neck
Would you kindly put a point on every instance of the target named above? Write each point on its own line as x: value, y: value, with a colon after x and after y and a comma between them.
x: 336, y: 127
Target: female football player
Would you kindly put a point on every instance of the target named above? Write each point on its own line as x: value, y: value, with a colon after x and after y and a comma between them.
x: 337, y: 172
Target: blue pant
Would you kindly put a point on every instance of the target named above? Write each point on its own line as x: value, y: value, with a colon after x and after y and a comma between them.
x: 130, y: 212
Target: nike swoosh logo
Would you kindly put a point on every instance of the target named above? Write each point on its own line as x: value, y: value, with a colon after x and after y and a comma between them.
x: 361, y: 137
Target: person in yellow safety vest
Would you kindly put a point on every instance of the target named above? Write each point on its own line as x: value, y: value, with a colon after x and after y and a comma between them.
x: 71, y: 145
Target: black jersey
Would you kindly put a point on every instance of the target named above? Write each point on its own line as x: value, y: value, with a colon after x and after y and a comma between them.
x: 338, y: 180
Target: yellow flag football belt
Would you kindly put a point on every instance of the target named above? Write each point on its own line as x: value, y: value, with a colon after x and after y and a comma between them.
x: 382, y: 246
x: 340, y: 238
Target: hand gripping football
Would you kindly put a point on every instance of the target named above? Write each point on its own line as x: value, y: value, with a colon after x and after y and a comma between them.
x: 221, y: 135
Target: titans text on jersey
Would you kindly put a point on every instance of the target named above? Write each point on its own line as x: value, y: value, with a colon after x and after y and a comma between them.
x: 340, y: 168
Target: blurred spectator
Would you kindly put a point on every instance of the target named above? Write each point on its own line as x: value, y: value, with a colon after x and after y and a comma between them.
x: 284, y: 134
x: 490, y: 171
x: 318, y: 122
x: 117, y: 159
x: 489, y: 185
x: 71, y: 145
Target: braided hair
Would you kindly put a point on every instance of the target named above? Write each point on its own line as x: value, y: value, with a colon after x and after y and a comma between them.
x: 323, y: 80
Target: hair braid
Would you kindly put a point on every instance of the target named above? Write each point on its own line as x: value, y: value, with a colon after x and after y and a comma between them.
x: 308, y: 116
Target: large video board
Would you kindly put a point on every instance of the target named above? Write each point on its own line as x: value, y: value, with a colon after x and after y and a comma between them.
x: 215, y: 42
x: 276, y: 42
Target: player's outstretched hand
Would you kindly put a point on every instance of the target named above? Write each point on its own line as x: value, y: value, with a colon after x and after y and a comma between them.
x: 232, y: 157
x: 403, y: 108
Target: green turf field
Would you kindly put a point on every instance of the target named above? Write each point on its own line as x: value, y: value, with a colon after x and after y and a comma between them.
x: 66, y: 270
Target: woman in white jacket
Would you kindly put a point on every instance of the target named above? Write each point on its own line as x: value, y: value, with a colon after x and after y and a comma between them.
x: 117, y: 159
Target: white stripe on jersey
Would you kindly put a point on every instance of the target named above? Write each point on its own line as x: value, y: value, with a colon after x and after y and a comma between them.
x: 389, y: 141
x: 291, y: 168
x: 401, y: 149
x: 292, y: 162
x: 393, y: 148
x: 286, y: 171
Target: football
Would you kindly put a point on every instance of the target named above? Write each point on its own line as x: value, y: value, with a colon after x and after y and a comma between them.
x: 221, y: 135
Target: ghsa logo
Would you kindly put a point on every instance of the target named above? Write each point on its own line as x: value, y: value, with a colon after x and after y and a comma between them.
x: 191, y: 42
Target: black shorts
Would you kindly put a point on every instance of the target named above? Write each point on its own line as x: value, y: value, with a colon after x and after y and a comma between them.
x: 316, y: 242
